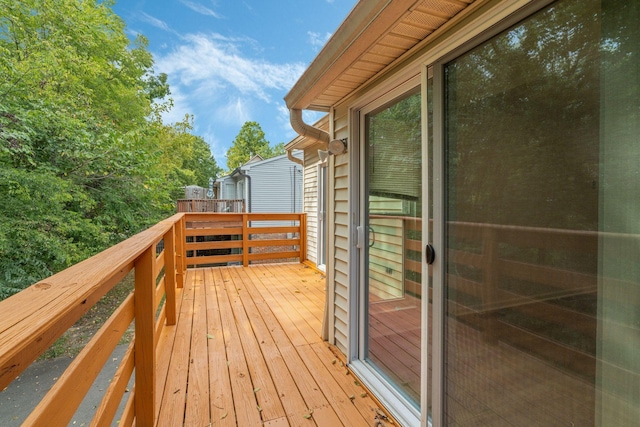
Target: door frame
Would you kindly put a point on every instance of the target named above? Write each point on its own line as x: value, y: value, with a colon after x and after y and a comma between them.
x: 391, y: 398
x: 321, y: 233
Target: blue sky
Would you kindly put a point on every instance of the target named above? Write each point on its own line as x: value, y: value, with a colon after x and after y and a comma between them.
x: 232, y: 61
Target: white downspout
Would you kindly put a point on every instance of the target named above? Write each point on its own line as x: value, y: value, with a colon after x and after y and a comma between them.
x: 294, y: 159
x: 304, y: 129
x: 321, y: 136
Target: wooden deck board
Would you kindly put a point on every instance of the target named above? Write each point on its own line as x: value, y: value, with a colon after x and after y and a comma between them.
x: 291, y: 311
x: 197, y: 405
x: 165, y: 343
x: 292, y: 400
x: 263, y: 387
x: 247, y: 351
x: 221, y: 400
x: 172, y: 406
x: 285, y: 335
x: 244, y: 400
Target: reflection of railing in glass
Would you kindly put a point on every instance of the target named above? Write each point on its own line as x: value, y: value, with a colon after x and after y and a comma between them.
x: 535, y: 289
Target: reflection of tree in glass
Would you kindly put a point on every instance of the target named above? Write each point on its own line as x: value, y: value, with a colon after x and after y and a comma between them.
x: 527, y: 103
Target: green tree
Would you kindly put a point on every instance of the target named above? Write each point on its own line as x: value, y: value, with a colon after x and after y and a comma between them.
x: 182, y: 158
x: 85, y: 160
x: 277, y: 149
x: 250, y: 141
x: 202, y: 163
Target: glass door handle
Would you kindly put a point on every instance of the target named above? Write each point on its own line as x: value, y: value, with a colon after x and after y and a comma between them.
x: 430, y: 253
x: 372, y: 242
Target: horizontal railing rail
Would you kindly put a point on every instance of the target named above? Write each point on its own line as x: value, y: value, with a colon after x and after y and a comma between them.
x: 35, y: 318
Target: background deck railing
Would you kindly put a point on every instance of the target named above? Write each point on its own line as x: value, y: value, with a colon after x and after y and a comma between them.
x: 33, y: 319
x: 225, y: 239
x: 211, y: 205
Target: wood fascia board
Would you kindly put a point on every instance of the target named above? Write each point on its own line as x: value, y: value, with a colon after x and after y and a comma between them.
x: 366, y: 24
x: 476, y: 18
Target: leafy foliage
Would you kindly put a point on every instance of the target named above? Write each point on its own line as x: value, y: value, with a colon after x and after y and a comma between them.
x: 249, y: 142
x: 85, y: 160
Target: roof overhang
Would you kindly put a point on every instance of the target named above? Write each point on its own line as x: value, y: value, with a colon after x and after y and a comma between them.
x: 374, y: 35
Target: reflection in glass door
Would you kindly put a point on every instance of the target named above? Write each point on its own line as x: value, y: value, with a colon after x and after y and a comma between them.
x: 392, y: 321
x: 541, y: 232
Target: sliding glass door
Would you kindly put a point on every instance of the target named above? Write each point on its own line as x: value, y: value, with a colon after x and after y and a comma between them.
x: 533, y: 184
x: 390, y: 240
x: 539, y: 212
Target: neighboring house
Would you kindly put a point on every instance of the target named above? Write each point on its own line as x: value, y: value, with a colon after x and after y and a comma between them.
x: 511, y: 127
x: 271, y: 185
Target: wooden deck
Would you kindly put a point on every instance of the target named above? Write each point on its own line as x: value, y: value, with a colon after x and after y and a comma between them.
x: 246, y: 351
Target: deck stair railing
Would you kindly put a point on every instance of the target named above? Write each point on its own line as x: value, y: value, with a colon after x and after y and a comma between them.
x: 35, y: 318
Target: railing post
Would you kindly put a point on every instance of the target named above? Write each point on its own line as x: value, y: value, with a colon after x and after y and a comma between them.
x: 170, y: 273
x: 145, y: 353
x: 245, y: 240
x: 180, y: 251
x: 303, y: 237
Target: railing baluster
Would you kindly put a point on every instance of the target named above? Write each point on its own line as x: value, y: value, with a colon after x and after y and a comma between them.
x: 303, y: 237
x: 145, y: 354
x: 245, y: 240
x: 170, y: 274
x: 180, y: 251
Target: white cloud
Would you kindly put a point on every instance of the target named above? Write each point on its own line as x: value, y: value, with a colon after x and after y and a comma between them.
x: 234, y: 112
x: 202, y: 10
x: 225, y: 82
x: 311, y: 117
x: 207, y: 62
x: 317, y: 40
x: 283, y: 119
x: 158, y: 23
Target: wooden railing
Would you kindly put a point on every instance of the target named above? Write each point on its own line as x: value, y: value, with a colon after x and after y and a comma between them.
x: 245, y: 238
x: 211, y: 205
x: 33, y: 319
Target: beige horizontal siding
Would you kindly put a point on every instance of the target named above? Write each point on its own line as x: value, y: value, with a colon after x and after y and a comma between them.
x: 311, y: 202
x: 341, y: 247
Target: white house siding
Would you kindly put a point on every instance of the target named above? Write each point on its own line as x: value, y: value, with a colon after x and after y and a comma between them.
x: 276, y: 185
